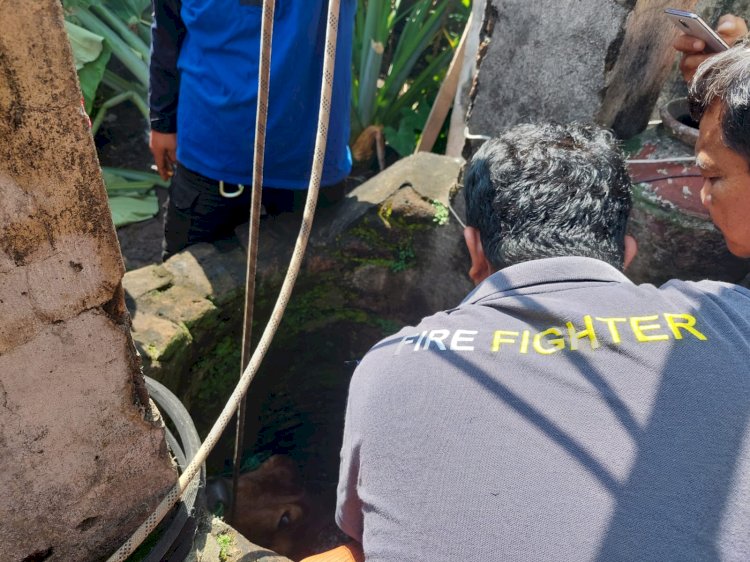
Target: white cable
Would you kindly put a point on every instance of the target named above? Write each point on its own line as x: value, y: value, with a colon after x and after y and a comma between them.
x: 674, y: 159
x: 455, y: 215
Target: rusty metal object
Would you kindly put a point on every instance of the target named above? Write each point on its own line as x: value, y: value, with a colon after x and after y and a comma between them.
x: 677, y: 121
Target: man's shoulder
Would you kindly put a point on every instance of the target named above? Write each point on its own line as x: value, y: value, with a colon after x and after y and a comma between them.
x: 717, y: 290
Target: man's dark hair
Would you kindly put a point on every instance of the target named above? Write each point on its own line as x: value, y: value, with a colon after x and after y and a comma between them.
x: 726, y: 77
x: 549, y: 190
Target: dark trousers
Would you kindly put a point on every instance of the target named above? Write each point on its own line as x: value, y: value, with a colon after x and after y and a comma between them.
x: 196, y: 212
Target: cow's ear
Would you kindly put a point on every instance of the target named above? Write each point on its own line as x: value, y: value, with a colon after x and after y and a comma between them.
x: 279, y: 474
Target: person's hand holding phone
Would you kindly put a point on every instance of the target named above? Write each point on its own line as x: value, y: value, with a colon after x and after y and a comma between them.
x: 730, y: 28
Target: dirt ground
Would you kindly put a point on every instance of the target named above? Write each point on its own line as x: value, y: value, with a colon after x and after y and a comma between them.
x: 140, y: 243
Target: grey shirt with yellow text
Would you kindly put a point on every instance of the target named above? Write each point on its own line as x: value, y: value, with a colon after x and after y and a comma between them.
x: 559, y: 413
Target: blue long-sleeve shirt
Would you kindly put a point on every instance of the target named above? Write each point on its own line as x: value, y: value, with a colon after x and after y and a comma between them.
x: 204, y: 73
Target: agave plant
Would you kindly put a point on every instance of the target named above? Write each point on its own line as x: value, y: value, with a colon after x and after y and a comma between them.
x: 402, y: 49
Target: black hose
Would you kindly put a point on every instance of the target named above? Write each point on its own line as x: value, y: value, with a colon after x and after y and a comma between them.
x: 172, y: 544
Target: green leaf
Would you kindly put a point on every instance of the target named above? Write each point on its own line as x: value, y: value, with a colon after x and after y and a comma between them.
x: 99, y: 29
x: 404, y: 140
x: 129, y: 11
x: 417, y: 38
x: 121, y: 28
x: 90, y: 76
x: 131, y: 59
x: 86, y: 46
x: 422, y: 90
x: 420, y: 30
x: 130, y: 209
x: 118, y: 177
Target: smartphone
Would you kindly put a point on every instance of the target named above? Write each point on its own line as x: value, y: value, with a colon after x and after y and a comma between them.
x: 694, y: 25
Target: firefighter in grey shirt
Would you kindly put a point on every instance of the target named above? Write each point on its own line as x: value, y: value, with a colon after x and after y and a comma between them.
x: 560, y: 412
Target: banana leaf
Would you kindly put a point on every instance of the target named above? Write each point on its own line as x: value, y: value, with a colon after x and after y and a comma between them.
x: 129, y: 209
x: 86, y: 46
x: 131, y: 194
x: 91, y: 55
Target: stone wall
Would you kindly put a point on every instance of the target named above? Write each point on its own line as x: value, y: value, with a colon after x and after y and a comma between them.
x: 592, y: 60
x: 386, y: 256
x: 82, y: 453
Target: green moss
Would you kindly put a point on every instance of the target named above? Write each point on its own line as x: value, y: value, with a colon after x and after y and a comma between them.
x: 218, y: 370
x: 379, y: 262
x: 225, y: 541
x: 175, y: 345
x: 321, y: 302
x: 152, y: 351
x: 314, y: 307
x: 442, y: 214
x: 406, y: 258
x: 386, y: 325
x: 371, y: 236
x: 392, y: 248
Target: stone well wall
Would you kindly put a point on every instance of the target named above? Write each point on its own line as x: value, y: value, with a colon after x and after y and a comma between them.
x: 386, y: 256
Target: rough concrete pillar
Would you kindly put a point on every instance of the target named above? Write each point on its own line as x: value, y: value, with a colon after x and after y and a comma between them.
x: 566, y: 60
x: 82, y: 454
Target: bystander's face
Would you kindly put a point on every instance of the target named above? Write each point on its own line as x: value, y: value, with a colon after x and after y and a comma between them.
x: 726, y: 185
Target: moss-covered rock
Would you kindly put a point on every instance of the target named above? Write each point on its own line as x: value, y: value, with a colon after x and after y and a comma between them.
x: 388, y: 255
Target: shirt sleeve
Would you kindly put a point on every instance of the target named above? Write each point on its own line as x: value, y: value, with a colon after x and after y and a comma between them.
x: 167, y: 34
x: 349, y: 514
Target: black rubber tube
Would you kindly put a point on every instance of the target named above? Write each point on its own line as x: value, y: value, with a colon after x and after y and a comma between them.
x: 183, y: 451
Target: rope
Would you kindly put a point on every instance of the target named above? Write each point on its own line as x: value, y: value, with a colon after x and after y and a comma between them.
x: 273, y: 324
x: 264, y: 76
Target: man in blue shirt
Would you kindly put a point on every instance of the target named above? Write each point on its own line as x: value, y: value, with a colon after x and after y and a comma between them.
x: 203, y: 97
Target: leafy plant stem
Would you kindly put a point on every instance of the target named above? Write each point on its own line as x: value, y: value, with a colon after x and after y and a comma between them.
x: 129, y: 36
x: 120, y: 49
x: 113, y: 101
x: 120, y: 84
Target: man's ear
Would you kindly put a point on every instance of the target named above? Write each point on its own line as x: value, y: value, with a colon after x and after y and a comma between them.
x: 631, y: 249
x: 481, y: 268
